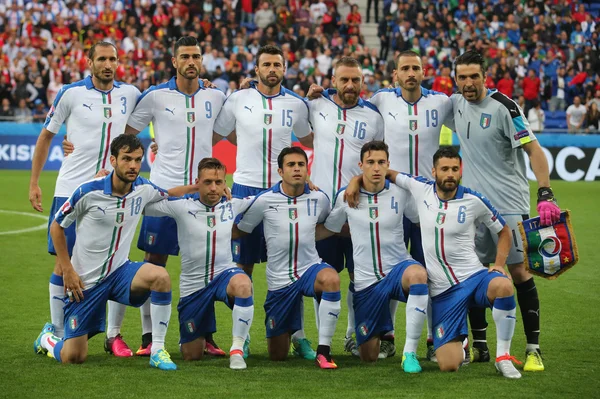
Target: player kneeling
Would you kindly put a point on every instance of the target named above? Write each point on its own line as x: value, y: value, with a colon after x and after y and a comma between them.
x: 107, y: 211
x: 208, y: 273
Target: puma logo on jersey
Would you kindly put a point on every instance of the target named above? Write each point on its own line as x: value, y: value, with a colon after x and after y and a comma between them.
x: 274, y: 207
x: 88, y: 106
x: 170, y: 110
x: 460, y: 112
x: 324, y: 116
x: 193, y: 213
x: 393, y: 115
x: 248, y: 108
x: 426, y: 204
x: 102, y: 210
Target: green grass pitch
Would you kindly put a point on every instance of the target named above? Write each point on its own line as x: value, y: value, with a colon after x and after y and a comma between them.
x: 570, y: 322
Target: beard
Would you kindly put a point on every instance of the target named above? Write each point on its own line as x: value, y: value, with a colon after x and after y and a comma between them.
x: 446, y: 185
x: 102, y: 77
x: 125, y: 178
x: 184, y: 72
x: 348, y: 98
x: 270, y: 83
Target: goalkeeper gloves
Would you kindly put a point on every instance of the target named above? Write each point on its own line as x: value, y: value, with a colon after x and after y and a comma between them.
x: 546, y: 206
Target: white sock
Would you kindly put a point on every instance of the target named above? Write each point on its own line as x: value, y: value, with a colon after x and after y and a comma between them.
x: 416, y: 314
x: 242, y: 315
x: 57, y: 296
x: 49, y: 341
x: 116, y: 313
x: 504, y: 313
x: 316, y: 306
x: 350, y: 303
x: 329, y: 312
x: 160, y: 311
x: 299, y: 334
x: 146, y: 318
x: 393, y: 309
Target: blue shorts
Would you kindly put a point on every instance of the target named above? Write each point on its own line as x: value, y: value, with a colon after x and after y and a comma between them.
x: 197, y: 311
x: 251, y: 248
x: 412, y: 234
x: 57, y: 203
x: 283, y: 308
x: 334, y: 250
x: 449, y: 309
x: 89, y: 316
x: 158, y: 235
x: 372, y: 305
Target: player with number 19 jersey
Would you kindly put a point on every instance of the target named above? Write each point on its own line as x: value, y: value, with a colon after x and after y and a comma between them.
x: 340, y: 133
x: 412, y: 130
x: 448, y: 229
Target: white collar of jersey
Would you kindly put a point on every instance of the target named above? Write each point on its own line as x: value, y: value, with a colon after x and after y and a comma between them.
x: 89, y: 84
x: 196, y: 197
x: 281, y: 90
x: 460, y: 193
x: 424, y: 93
x: 172, y: 85
x: 277, y: 189
x: 386, y: 186
x: 108, y: 185
x: 328, y: 94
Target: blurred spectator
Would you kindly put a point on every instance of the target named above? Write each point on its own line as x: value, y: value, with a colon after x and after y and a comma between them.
x: 575, y: 115
x: 53, y: 88
x: 354, y: 20
x: 385, y: 31
x: 593, y: 118
x: 557, y: 101
x: 22, y: 112
x: 531, y: 89
x: 5, y: 89
x: 536, y: 117
x: 443, y: 83
x: 24, y: 90
x: 264, y: 16
x: 506, y: 85
x: 39, y: 111
x: 7, y: 112
x: 595, y: 100
x: 375, y: 4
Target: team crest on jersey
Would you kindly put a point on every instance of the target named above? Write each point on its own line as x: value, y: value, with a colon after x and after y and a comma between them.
x: 341, y: 127
x: 374, y: 212
x: 412, y: 124
x: 66, y: 208
x: 268, y: 119
x: 151, y: 238
x: 293, y: 213
x: 120, y: 217
x: 441, y: 218
x: 236, y: 248
x: 211, y: 221
x: 191, y: 117
x: 485, y: 121
x: 439, y: 331
x: 271, y: 323
x: 363, y: 329
x: 191, y: 327
x: 107, y: 112
x: 73, y: 322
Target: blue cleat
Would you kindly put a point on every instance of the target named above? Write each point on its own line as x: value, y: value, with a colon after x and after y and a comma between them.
x: 410, y: 364
x: 37, y: 344
x: 302, y: 348
x: 162, y: 360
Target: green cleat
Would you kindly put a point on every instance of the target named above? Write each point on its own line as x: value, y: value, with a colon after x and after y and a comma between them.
x: 410, y: 363
x: 246, y: 348
x: 37, y: 344
x: 303, y: 349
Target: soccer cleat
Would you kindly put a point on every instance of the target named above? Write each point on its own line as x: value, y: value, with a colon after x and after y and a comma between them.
x: 246, y: 348
x: 479, y: 355
x: 431, y: 352
x: 386, y: 349
x: 533, y: 361
x: 147, y: 351
x: 505, y: 366
x: 117, y: 346
x: 410, y: 363
x: 37, y: 344
x: 162, y: 360
x: 213, y: 349
x: 325, y: 362
x: 302, y: 348
x: 350, y: 346
x: 236, y: 360
x: 468, y: 352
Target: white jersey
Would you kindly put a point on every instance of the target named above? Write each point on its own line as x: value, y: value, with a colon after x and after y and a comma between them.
x: 264, y: 127
x: 289, y: 225
x: 204, y: 234
x: 448, y: 230
x: 183, y: 129
x: 93, y: 118
x: 340, y: 134
x: 106, y: 225
x: 412, y: 130
x: 378, y: 217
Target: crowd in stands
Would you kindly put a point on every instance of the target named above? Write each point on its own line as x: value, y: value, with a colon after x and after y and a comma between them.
x: 544, y: 54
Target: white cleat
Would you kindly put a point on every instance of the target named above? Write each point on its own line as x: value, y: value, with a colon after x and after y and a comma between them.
x: 505, y: 366
x: 237, y: 362
x: 350, y: 346
x: 386, y: 349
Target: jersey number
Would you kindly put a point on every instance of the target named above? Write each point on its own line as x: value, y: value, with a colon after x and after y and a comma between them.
x: 208, y: 108
x: 136, y: 205
x: 226, y: 208
x: 394, y: 205
x: 462, y: 216
x: 123, y: 105
x: 360, y: 130
x: 286, y: 117
x: 431, y: 117
x: 311, y: 203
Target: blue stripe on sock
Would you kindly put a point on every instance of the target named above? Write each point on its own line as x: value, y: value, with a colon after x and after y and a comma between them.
x: 57, y: 349
x: 160, y: 298
x: 56, y: 280
x: 418, y: 289
x: 331, y: 296
x: 505, y: 303
x: 244, y: 302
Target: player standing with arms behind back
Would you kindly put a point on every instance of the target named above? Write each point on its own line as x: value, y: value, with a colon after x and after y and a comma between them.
x: 95, y: 111
x: 492, y: 131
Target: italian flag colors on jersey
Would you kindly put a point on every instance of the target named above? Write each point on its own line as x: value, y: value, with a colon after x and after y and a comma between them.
x: 103, y: 155
x: 338, y: 152
x: 267, y: 104
x: 293, y: 240
x: 413, y: 140
x: 375, y: 238
x: 115, y: 240
x: 190, y: 118
x: 549, y: 251
x: 440, y: 243
x: 211, y: 246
